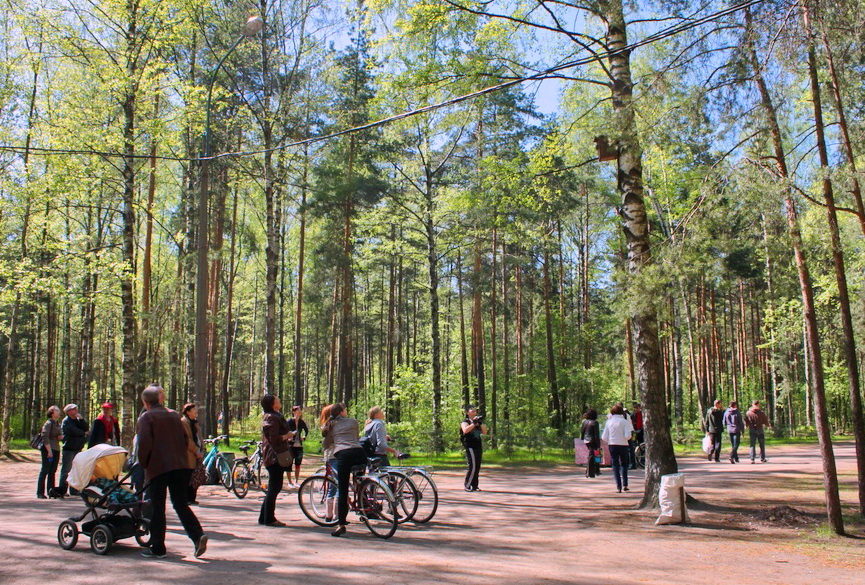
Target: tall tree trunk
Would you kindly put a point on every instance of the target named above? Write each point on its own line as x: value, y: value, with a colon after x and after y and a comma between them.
x: 660, y: 459
x: 809, y: 313
x: 478, y: 335
x: 298, y: 314
x: 849, y: 345
x: 556, y: 414
x: 464, y: 366
x: 432, y: 264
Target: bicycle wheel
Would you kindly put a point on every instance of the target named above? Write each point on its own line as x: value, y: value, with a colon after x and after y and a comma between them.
x: 224, y: 472
x: 640, y: 455
x: 405, y: 493
x: 377, y: 508
x: 262, y: 477
x: 313, y: 499
x: 240, y: 478
x: 428, y: 496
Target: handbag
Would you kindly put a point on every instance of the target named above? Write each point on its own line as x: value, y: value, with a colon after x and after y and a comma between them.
x: 37, y: 441
x: 286, y: 458
x: 707, y: 444
x: 199, y: 477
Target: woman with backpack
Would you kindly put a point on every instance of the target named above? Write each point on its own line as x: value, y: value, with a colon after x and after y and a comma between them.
x: 50, y: 450
x: 341, y: 437
x: 591, y: 435
x: 375, y: 430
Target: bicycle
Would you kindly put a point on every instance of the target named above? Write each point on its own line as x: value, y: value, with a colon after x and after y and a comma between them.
x: 369, y: 497
x: 216, y: 460
x: 640, y: 455
x: 247, y: 471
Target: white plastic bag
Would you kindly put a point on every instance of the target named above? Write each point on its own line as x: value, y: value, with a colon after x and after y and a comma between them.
x: 707, y: 444
x: 671, y: 496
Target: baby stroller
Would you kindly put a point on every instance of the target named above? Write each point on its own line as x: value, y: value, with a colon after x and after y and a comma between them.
x: 115, y: 510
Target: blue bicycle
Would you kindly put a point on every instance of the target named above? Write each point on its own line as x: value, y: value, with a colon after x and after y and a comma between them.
x: 218, y: 469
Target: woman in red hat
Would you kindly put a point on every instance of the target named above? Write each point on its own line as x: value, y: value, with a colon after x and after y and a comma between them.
x: 106, y: 428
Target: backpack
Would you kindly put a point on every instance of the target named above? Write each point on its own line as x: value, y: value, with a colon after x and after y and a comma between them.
x: 368, y: 447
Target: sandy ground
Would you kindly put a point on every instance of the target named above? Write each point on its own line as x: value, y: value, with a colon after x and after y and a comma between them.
x: 548, y: 525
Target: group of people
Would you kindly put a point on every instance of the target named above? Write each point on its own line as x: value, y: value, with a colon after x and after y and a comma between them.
x: 74, y: 432
x: 621, y: 433
x: 718, y: 420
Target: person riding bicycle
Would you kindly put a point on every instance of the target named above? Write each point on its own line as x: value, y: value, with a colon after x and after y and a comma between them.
x: 375, y: 430
x: 341, y: 436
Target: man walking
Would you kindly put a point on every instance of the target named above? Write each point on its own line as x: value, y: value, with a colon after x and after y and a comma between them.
x: 715, y: 428
x: 756, y: 420
x: 471, y: 430
x: 735, y: 425
x: 75, y: 432
x: 162, y: 446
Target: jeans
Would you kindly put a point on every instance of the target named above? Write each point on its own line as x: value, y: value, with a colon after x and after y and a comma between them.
x: 48, y: 472
x: 757, y: 436
x: 68, y: 456
x: 716, y: 446
x: 347, y: 458
x: 274, y: 486
x: 176, y: 483
x: 474, y: 455
x: 619, y: 456
x: 735, y: 439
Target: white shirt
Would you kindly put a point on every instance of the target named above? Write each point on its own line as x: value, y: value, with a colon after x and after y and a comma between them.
x: 618, y: 430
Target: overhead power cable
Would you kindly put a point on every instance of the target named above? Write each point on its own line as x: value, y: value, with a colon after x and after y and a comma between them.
x: 655, y: 37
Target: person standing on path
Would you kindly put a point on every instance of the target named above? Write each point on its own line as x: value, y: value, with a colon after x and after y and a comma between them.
x: 715, y: 428
x: 162, y: 451
x: 194, y: 447
x: 756, y: 420
x: 50, y: 451
x: 75, y: 433
x: 590, y: 432
x: 471, y: 430
x: 298, y: 426
x: 106, y: 428
x: 735, y: 425
x: 341, y: 434
x: 275, y: 441
x: 617, y: 433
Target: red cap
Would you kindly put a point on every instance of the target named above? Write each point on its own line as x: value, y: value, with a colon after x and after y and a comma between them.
x: 107, y: 405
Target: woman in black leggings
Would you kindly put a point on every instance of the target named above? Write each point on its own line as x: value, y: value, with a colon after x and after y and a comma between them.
x: 275, y: 438
x: 341, y: 435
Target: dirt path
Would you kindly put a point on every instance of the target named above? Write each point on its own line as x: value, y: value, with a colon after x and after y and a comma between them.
x: 535, y: 526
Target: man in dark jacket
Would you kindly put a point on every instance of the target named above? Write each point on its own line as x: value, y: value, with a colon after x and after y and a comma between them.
x: 755, y: 420
x: 75, y: 432
x: 715, y: 427
x: 162, y: 444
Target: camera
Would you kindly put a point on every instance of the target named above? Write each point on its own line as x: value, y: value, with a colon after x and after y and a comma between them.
x: 477, y: 420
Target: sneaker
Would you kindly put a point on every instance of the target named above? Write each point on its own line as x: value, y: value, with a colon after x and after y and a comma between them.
x: 732, y: 461
x: 149, y: 554
x: 468, y: 489
x: 201, y: 546
x: 478, y: 490
x: 764, y: 461
x: 752, y: 462
x: 276, y: 524
x: 340, y: 530
x: 626, y: 489
x: 42, y: 496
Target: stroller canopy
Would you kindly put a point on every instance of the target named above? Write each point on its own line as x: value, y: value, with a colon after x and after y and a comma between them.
x: 99, y: 461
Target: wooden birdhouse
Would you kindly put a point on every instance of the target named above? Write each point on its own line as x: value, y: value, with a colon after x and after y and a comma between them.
x: 606, y: 151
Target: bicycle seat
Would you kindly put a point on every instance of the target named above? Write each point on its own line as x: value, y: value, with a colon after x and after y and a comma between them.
x: 245, y: 449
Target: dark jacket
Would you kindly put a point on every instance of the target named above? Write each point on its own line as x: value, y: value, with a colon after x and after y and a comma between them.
x: 591, y: 434
x: 99, y: 435
x: 715, y: 420
x: 756, y: 419
x: 733, y: 421
x: 162, y: 441
x: 301, y: 436
x: 74, y: 433
x: 273, y: 428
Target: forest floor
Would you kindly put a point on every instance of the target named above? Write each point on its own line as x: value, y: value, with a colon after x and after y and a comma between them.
x: 529, y: 525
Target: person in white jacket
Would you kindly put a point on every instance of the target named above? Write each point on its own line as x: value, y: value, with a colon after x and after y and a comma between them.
x: 617, y: 433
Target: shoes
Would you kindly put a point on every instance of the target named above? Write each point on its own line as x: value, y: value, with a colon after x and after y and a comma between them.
x: 276, y: 524
x: 340, y: 530
x: 717, y: 460
x: 42, y: 496
x: 201, y: 546
x: 328, y: 519
x: 752, y: 462
x: 468, y: 489
x: 710, y: 456
x: 193, y: 502
x: 478, y: 490
x: 149, y: 554
x: 626, y: 489
x: 619, y: 490
x: 732, y: 461
x: 764, y: 461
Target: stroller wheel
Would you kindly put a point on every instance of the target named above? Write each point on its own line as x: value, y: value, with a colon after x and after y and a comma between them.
x: 67, y: 535
x: 101, y: 539
x: 142, y: 532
